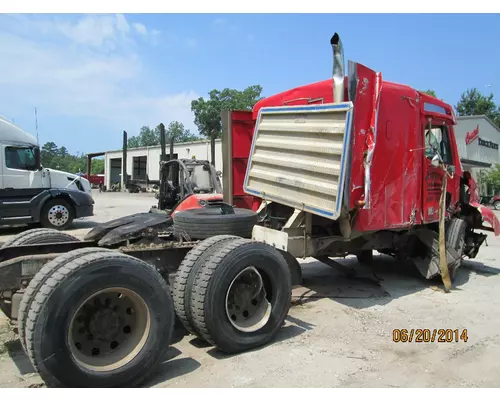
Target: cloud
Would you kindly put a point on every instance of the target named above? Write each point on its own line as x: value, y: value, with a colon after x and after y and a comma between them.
x: 84, y: 67
x: 219, y: 21
x: 140, y: 29
x: 224, y: 25
x: 190, y: 42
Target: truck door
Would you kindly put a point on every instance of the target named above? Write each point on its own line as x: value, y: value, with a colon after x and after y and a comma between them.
x: 437, y: 140
x: 21, y: 181
x: 19, y: 168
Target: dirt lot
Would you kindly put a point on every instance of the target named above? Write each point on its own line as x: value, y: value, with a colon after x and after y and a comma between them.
x: 339, y: 333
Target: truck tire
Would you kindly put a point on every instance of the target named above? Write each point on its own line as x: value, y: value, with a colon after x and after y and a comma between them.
x: 496, y: 205
x: 226, y: 320
x: 57, y: 214
x: 39, y: 236
x: 185, y: 276
x: 40, y: 278
x: 202, y: 223
x: 455, y: 239
x: 100, y: 320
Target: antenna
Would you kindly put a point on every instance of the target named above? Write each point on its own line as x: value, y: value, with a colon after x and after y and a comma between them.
x: 36, y: 125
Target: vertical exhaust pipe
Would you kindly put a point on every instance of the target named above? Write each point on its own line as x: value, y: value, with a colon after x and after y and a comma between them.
x: 171, y: 152
x: 124, y: 162
x: 175, y: 167
x: 212, y: 148
x: 338, y: 68
x: 338, y: 97
x: 162, y: 142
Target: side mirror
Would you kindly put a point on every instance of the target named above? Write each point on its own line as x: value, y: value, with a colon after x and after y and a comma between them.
x: 435, y: 161
x: 38, y: 164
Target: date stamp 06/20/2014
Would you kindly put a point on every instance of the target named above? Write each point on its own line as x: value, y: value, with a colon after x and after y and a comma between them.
x: 429, y: 335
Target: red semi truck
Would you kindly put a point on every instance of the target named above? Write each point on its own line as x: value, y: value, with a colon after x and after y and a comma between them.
x: 344, y: 166
x: 358, y: 164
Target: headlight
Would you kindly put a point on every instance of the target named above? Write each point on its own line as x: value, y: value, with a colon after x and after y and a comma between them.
x: 202, y: 203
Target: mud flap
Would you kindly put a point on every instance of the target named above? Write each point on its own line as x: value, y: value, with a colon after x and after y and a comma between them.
x: 429, y: 264
x: 128, y: 228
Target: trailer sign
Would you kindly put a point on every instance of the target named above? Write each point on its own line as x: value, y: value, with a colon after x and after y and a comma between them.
x: 487, y: 143
x: 471, y: 136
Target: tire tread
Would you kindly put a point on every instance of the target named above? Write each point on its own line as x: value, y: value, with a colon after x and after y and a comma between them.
x: 40, y: 278
x: 52, y: 282
x: 27, y: 236
x: 200, y: 287
x: 180, y: 291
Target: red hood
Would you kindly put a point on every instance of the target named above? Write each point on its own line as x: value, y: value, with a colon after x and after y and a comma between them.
x: 313, y: 93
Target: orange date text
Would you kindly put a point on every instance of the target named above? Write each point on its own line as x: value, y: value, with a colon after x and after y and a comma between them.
x: 429, y: 335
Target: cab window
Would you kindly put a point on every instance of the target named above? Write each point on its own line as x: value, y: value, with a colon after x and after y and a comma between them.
x: 20, y: 158
x: 437, y: 139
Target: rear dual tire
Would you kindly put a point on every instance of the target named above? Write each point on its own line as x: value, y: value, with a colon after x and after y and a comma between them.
x: 101, y: 319
x: 241, y: 296
x: 187, y: 273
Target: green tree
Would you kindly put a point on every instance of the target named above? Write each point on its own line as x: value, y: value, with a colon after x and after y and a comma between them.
x: 133, y: 141
x: 179, y: 133
x: 97, y: 166
x: 59, y: 158
x: 207, y: 112
x: 51, y: 148
x: 63, y: 152
x: 430, y: 92
x: 472, y: 102
x: 48, y: 152
x: 146, y: 137
x: 492, y: 177
x: 149, y: 137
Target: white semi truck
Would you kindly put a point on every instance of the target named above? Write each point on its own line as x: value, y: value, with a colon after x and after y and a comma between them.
x: 32, y: 194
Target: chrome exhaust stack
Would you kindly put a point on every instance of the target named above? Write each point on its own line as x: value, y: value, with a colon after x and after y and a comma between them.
x: 338, y: 97
x: 338, y: 68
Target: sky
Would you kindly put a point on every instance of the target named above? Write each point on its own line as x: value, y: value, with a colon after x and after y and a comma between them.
x: 93, y: 76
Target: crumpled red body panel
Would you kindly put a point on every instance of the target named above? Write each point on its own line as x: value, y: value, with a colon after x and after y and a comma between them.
x: 488, y: 216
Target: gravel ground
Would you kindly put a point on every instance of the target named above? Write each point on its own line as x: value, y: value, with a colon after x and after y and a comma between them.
x: 339, y: 332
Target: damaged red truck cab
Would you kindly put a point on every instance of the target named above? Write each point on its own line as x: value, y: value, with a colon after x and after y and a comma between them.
x: 398, y: 146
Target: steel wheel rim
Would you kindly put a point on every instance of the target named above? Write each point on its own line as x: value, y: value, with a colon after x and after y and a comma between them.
x: 247, y: 307
x: 497, y: 205
x: 109, y: 329
x: 58, y: 215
